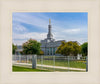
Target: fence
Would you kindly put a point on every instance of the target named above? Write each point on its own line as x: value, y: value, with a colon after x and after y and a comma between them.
x: 52, y: 63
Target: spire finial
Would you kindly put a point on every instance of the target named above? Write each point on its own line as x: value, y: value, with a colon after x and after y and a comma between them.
x: 49, y: 21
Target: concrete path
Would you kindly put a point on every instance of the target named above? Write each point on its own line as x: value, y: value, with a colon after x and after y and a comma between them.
x: 49, y: 66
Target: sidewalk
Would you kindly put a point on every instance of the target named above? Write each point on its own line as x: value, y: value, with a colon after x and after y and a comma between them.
x: 49, y: 66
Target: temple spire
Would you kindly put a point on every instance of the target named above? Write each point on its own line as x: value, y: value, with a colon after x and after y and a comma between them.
x: 49, y: 21
x: 49, y: 35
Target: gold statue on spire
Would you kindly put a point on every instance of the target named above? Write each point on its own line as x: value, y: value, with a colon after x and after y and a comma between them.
x: 49, y: 21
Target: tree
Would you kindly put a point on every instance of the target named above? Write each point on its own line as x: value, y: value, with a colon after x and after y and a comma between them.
x: 31, y: 47
x: 14, y: 47
x: 69, y: 48
x: 84, y: 50
x: 41, y: 53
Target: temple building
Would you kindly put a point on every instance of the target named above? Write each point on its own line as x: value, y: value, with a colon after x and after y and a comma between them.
x: 49, y: 45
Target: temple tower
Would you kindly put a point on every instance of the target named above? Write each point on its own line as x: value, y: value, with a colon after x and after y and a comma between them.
x: 49, y: 35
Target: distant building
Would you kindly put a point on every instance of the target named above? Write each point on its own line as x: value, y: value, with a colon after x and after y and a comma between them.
x: 19, y: 49
x: 49, y: 45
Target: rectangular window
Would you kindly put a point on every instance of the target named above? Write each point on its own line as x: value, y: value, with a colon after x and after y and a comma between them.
x: 50, y: 51
x: 54, y: 51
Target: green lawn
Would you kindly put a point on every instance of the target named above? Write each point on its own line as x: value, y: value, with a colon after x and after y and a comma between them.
x: 59, y: 70
x: 74, y: 64
x: 61, y: 61
x: 23, y: 69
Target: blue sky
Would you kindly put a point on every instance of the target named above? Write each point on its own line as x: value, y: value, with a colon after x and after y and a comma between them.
x: 69, y: 26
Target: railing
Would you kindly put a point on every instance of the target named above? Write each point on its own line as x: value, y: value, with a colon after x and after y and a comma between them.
x: 52, y: 63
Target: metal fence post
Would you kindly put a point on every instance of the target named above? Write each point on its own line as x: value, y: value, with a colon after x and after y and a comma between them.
x: 19, y: 58
x: 14, y: 56
x: 27, y: 58
x: 68, y: 64
x: 41, y: 62
x: 65, y: 61
x: 87, y: 64
x: 34, y: 61
x: 54, y: 63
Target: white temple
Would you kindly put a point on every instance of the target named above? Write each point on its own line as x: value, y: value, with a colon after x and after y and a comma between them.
x: 49, y: 45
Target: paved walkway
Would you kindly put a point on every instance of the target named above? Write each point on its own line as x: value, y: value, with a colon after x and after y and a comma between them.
x: 49, y: 66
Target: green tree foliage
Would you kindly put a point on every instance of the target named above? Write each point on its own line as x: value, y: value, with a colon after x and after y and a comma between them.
x: 41, y: 53
x: 31, y: 47
x: 84, y: 47
x: 14, y: 47
x: 69, y: 48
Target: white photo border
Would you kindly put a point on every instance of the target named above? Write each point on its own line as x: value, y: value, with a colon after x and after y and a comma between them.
x: 7, y: 7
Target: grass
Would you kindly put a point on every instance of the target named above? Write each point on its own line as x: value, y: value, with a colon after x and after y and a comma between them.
x: 74, y: 64
x: 24, y: 69
x: 59, y: 70
x: 64, y: 63
x: 60, y: 61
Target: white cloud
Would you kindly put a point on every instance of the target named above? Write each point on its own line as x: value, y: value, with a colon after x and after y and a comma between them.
x: 71, y: 35
x: 19, y: 42
x: 21, y: 38
x: 72, y: 30
x: 18, y: 27
x: 32, y: 20
x: 40, y: 21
